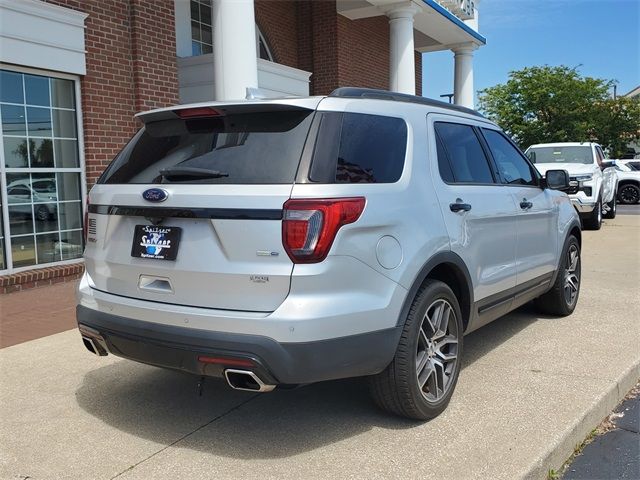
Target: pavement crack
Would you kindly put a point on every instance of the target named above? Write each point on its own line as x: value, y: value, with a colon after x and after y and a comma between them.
x: 213, y: 420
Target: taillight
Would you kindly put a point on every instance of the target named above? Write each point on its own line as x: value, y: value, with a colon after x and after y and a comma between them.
x: 309, y: 226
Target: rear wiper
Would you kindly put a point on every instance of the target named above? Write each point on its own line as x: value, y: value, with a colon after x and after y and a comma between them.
x: 190, y: 173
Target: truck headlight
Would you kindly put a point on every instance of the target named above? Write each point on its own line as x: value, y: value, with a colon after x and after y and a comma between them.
x: 584, y: 178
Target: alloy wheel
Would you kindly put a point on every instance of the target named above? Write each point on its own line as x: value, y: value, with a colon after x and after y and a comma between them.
x: 629, y: 195
x: 437, y: 350
x: 572, y: 276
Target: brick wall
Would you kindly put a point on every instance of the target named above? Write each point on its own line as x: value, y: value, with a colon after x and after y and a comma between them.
x: 278, y: 21
x: 310, y: 35
x: 131, y: 66
x: 363, y: 52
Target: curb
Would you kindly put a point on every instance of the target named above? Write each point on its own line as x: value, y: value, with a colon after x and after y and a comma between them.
x: 562, y: 447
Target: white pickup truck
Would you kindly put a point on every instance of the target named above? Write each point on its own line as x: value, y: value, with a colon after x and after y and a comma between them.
x: 593, y: 179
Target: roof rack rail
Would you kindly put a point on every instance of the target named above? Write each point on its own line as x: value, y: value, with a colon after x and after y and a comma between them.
x: 354, y: 92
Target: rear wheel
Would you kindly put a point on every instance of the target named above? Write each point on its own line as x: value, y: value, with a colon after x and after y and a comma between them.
x: 612, y: 207
x: 562, y: 299
x: 419, y: 381
x: 629, y: 194
x: 594, y: 220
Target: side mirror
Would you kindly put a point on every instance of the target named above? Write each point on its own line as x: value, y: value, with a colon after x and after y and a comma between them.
x: 608, y: 164
x: 557, y: 180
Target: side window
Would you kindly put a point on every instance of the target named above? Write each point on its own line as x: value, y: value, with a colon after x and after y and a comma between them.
x: 512, y: 167
x: 443, y: 162
x: 359, y: 148
x: 599, y: 156
x: 467, y: 161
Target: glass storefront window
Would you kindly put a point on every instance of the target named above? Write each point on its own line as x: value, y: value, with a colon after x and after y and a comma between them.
x: 41, y: 220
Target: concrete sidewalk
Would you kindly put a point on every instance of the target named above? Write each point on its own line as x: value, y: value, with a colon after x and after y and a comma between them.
x: 531, y: 388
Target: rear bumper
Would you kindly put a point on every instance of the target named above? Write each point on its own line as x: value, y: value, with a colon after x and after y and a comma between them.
x: 178, y: 348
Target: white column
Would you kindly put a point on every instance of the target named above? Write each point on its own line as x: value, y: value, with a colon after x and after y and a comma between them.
x: 463, y: 76
x: 402, y: 67
x: 234, y: 48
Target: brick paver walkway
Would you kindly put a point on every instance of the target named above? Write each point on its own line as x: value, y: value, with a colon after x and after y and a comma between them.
x: 37, y: 313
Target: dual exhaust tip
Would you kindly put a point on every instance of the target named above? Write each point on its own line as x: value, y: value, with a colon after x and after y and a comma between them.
x: 244, y: 380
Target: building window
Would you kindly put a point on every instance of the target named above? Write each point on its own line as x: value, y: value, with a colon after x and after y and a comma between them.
x: 263, y: 49
x: 41, y: 174
x: 201, y: 33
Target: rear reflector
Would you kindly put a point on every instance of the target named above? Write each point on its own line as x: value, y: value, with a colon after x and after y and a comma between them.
x: 310, y: 225
x: 231, y: 362
x: 197, y: 112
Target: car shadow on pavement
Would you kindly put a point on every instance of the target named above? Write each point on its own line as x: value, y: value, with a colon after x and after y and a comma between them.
x: 164, y: 406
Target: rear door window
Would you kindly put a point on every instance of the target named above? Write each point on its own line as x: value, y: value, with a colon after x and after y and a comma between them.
x: 247, y: 148
x: 359, y: 148
x: 467, y: 160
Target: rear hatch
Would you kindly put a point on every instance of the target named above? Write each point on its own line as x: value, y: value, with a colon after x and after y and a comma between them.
x: 190, y: 211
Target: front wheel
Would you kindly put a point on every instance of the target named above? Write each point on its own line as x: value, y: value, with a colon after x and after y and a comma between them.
x: 419, y: 381
x: 612, y: 206
x: 562, y: 299
x: 594, y: 220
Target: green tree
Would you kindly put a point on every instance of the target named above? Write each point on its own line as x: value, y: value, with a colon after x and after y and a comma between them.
x: 557, y: 104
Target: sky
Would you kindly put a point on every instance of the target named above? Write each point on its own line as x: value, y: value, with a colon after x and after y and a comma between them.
x: 602, y: 37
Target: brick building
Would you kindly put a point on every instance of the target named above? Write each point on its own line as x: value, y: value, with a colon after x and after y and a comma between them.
x: 74, y: 73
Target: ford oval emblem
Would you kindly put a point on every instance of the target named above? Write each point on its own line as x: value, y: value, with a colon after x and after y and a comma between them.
x: 155, y: 195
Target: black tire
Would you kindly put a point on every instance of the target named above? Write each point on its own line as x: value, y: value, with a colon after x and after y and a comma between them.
x: 629, y: 194
x: 559, y: 301
x: 42, y: 213
x: 613, y: 207
x: 594, y: 220
x: 397, y: 388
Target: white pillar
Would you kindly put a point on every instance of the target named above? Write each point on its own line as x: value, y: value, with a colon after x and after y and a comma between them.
x: 234, y: 48
x: 402, y: 67
x: 463, y: 76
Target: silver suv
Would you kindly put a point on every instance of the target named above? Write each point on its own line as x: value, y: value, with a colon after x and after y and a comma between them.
x: 290, y: 241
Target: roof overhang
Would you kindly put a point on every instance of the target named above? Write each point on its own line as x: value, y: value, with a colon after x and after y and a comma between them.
x: 436, y: 28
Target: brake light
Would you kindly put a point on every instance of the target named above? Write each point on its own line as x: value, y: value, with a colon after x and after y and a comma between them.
x: 309, y: 226
x: 197, y: 112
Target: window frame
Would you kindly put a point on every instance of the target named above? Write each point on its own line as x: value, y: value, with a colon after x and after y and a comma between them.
x: 534, y: 171
x: 490, y: 162
x: 81, y: 169
x: 200, y: 24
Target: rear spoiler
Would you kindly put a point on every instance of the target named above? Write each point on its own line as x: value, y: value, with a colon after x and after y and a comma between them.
x: 228, y: 108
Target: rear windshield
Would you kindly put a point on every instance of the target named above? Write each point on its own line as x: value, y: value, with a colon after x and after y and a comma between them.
x: 560, y: 155
x: 248, y: 148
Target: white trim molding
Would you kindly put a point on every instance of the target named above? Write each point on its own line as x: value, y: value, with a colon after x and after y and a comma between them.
x: 196, y: 80
x: 40, y: 35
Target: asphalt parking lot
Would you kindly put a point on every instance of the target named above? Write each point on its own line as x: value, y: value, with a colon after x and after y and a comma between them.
x: 531, y: 388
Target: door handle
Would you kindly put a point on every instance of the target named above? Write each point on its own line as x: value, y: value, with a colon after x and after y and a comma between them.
x: 459, y: 206
x: 525, y: 204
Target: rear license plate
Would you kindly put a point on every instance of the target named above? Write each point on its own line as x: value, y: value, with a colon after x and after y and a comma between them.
x: 157, y: 242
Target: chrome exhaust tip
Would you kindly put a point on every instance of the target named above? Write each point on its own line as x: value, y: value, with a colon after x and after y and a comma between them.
x: 93, y: 341
x: 94, y: 347
x: 246, y: 380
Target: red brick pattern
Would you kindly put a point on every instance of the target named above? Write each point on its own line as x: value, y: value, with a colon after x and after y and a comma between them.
x: 278, y: 22
x: 40, y: 277
x: 363, y: 52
